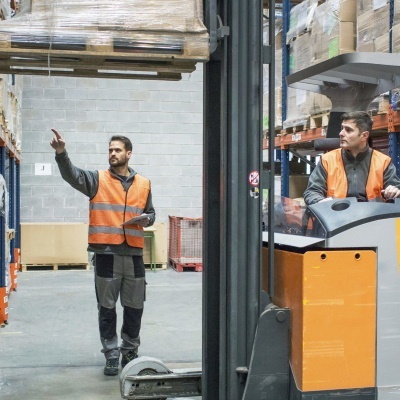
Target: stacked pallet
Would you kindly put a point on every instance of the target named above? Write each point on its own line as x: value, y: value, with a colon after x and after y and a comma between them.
x: 318, y: 32
x: 123, y: 38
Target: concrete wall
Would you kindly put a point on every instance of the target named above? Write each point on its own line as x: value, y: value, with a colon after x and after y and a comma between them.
x: 163, y: 120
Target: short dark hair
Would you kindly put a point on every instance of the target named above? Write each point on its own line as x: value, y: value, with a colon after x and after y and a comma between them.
x: 126, y: 141
x: 362, y: 120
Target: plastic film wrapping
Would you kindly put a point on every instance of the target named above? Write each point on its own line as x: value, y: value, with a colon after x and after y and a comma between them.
x: 301, y: 52
x: 301, y: 104
x: 373, y: 20
x: 10, y: 108
x: 173, y: 27
x: 396, y: 38
x: 334, y: 29
x: 333, y: 33
x: 396, y: 12
x: 153, y: 15
x: 301, y: 18
x: 5, y: 10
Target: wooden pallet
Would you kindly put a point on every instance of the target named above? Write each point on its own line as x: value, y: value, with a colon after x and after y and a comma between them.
x: 123, y: 58
x: 294, y: 126
x: 158, y: 266
x: 319, y: 120
x: 54, y: 267
x: 180, y: 267
x: 277, y: 132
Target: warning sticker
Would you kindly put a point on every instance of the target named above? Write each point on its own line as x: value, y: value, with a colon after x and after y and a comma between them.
x: 254, y: 178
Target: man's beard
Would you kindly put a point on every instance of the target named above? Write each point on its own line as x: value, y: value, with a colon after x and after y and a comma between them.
x: 119, y: 163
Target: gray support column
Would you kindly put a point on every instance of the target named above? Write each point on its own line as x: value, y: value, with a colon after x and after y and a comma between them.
x: 214, y: 274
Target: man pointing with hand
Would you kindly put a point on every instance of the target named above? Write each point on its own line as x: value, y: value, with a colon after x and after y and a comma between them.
x: 116, y: 195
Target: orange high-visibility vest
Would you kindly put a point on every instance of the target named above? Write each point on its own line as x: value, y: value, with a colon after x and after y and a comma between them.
x: 337, y: 184
x: 112, y: 206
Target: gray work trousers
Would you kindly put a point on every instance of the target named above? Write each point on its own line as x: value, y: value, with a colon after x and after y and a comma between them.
x: 119, y: 276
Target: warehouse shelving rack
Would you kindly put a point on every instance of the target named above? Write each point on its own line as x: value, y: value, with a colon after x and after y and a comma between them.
x: 385, y: 125
x: 10, y: 158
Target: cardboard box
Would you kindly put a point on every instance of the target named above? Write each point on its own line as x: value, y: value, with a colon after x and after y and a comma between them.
x: 371, y: 25
x: 382, y: 43
x: 396, y: 16
x: 334, y: 29
x: 347, y: 11
x: 54, y: 243
x: 301, y: 17
x: 363, y: 6
x: 160, y: 242
x: 301, y: 51
x: 343, y: 40
x: 368, y: 47
x: 297, y: 185
x: 396, y: 39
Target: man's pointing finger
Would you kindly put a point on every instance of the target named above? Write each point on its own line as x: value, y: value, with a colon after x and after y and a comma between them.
x: 57, y: 134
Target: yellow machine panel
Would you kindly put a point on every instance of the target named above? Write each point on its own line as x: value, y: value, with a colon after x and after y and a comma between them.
x: 332, y: 298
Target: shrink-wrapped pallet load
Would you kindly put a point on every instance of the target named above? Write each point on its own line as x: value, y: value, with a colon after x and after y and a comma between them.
x: 301, y: 19
x: 373, y: 21
x: 89, y: 36
x: 333, y: 29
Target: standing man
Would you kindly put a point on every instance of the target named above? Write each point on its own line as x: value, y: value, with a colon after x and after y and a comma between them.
x: 355, y: 169
x: 116, y: 195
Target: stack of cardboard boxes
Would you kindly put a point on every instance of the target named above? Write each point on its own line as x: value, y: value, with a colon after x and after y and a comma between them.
x: 10, y: 108
x: 329, y: 29
x: 373, y: 21
x: 104, y: 26
x: 334, y: 29
x: 322, y: 30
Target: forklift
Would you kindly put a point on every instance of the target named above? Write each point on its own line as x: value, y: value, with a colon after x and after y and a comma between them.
x: 318, y: 317
x: 285, y: 316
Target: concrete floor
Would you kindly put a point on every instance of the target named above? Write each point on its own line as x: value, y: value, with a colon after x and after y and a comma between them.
x: 50, y: 348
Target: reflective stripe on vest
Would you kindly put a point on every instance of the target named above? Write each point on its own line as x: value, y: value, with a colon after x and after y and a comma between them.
x: 337, y: 185
x: 112, y: 206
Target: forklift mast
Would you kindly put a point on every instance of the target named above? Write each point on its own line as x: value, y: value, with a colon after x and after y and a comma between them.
x: 233, y: 92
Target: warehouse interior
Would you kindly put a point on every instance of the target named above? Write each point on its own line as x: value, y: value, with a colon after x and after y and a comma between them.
x: 91, y: 71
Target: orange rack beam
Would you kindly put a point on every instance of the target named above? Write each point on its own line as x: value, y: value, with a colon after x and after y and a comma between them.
x: 382, y: 122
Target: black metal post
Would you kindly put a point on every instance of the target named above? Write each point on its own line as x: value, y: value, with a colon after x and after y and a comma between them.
x: 271, y: 151
x: 232, y: 201
x: 214, y: 315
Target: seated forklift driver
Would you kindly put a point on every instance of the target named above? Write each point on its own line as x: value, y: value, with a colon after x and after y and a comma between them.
x: 355, y: 169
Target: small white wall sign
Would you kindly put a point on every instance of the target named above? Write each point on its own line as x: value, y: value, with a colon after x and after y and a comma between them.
x: 42, y: 169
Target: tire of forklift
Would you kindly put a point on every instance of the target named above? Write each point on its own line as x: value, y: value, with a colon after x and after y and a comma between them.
x: 138, y: 367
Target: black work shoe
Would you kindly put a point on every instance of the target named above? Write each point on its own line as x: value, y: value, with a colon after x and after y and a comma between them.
x: 131, y: 355
x: 111, y: 367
